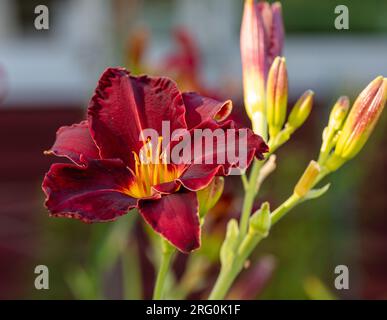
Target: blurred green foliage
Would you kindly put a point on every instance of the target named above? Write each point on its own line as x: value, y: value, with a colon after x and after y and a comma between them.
x: 306, y: 16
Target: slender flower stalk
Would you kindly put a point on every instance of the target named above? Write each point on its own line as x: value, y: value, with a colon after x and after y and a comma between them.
x: 234, y: 254
x: 167, y: 252
x: 249, y: 198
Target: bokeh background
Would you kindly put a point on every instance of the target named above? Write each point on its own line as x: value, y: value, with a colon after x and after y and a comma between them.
x: 47, y: 77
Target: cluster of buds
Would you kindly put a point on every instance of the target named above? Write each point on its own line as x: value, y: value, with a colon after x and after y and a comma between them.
x: 265, y: 80
x: 277, y: 101
x: 265, y: 84
x: 348, y: 131
x: 345, y: 134
x: 259, y: 227
x: 276, y: 107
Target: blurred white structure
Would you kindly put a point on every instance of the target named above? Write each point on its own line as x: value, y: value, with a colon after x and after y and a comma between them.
x: 64, y: 63
x: 55, y: 66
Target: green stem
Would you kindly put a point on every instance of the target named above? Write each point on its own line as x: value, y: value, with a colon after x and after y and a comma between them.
x: 132, y: 288
x: 248, y: 201
x: 248, y: 240
x: 228, y: 273
x: 245, y: 181
x: 223, y: 283
x: 166, y: 258
x: 284, y: 208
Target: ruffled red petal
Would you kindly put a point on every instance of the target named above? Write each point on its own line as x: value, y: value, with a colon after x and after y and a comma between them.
x: 175, y: 217
x: 200, y: 109
x: 92, y: 193
x: 123, y: 106
x: 75, y: 143
x: 198, y: 176
x: 210, y: 162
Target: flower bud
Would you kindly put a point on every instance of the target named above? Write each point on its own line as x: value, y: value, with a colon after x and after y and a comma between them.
x: 276, y: 96
x: 301, y: 110
x: 259, y: 124
x: 260, y: 221
x: 336, y: 120
x: 339, y: 113
x: 253, y: 48
x: 209, y: 196
x: 307, y: 180
x: 227, y: 251
x: 261, y: 40
x: 362, y: 119
x: 271, y: 16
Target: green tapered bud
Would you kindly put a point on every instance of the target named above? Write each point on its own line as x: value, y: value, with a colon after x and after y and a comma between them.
x: 260, y: 221
x: 307, y: 180
x: 276, y: 96
x: 209, y: 196
x: 301, y: 110
x: 339, y: 113
x: 227, y: 251
x: 336, y: 119
x: 362, y: 119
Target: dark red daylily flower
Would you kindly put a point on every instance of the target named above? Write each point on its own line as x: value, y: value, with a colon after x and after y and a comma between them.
x: 107, y: 179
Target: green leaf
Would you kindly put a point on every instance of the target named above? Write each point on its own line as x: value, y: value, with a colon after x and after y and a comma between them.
x: 316, y: 193
x: 209, y: 196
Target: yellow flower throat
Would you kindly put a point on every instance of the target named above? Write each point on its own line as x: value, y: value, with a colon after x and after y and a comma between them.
x: 151, y: 168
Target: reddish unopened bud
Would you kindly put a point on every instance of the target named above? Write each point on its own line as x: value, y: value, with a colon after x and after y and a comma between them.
x: 253, y: 50
x: 362, y: 119
x: 301, y: 110
x: 277, y: 96
x: 274, y: 28
x: 261, y: 40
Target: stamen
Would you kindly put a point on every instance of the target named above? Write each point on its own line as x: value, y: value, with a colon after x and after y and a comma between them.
x: 151, y: 168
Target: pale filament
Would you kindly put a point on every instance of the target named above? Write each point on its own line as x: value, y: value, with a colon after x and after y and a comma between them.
x: 151, y: 168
